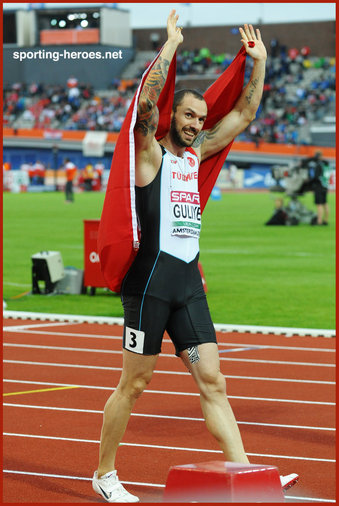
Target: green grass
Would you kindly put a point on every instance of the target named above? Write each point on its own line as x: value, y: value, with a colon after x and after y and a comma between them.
x: 279, y: 276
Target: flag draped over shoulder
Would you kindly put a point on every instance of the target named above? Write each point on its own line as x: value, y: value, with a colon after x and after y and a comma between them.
x: 118, y: 230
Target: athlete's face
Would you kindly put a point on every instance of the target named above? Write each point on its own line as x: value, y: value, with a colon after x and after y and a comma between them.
x: 188, y: 120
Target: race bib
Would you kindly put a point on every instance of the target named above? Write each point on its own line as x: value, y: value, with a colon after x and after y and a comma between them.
x: 185, y: 213
x: 134, y: 340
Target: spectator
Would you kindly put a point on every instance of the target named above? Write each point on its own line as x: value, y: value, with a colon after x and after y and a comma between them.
x: 71, y: 172
x: 98, y: 173
x: 88, y: 176
x: 39, y: 172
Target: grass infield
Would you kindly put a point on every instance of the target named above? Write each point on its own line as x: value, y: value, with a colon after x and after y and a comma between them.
x: 257, y: 275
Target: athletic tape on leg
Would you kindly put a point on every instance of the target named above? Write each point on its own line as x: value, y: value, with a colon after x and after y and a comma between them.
x: 193, y: 354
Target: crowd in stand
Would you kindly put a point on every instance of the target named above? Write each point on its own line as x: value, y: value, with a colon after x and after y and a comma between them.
x: 40, y: 105
x: 293, y: 96
x: 73, y: 106
x: 105, y: 112
x: 291, y: 99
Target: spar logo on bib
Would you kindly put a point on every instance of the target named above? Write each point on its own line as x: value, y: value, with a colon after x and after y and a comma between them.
x: 186, y: 214
x: 191, y: 161
x: 181, y: 196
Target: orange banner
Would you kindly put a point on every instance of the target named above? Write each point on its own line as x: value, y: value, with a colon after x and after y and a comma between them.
x: 264, y: 147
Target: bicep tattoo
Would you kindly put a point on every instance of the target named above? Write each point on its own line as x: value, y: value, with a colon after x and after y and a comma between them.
x: 147, y: 123
x: 199, y: 140
x: 206, y: 135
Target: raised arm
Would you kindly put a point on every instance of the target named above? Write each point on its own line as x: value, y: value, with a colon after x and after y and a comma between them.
x: 147, y: 149
x: 244, y: 111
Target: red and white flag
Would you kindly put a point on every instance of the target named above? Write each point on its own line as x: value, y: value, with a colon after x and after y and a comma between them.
x: 118, y: 234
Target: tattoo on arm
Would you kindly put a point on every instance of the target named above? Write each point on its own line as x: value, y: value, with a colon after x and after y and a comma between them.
x: 147, y: 122
x: 148, y: 114
x: 200, y: 139
x: 252, y: 87
x: 206, y: 135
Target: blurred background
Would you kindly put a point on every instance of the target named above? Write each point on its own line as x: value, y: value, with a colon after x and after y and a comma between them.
x: 60, y: 82
x: 70, y: 71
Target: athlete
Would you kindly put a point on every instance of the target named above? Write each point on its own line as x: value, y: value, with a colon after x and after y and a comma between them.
x: 163, y: 289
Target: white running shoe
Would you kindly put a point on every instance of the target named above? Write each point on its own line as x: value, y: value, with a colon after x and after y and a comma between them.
x: 110, y: 488
x: 288, y: 481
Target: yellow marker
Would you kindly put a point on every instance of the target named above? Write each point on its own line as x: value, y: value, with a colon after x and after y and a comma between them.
x: 38, y: 391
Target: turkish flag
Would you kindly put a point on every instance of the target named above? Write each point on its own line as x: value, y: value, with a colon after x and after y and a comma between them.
x: 118, y: 233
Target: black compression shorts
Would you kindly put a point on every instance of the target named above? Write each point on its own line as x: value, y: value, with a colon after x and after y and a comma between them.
x: 174, y: 300
x: 320, y: 195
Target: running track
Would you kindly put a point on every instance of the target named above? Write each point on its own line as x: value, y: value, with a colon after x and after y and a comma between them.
x: 58, y: 375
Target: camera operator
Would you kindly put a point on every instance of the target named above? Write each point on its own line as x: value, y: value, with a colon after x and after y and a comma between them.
x: 319, y: 172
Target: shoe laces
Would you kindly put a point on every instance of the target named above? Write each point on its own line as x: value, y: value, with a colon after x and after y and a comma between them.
x: 115, y: 484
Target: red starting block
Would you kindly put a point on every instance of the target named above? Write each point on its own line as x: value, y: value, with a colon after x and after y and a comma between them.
x: 219, y: 481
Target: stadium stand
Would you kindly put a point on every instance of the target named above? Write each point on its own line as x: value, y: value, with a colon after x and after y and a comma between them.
x: 50, y: 105
x: 298, y: 92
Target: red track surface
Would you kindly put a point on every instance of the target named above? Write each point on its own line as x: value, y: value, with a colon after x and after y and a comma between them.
x: 282, y: 396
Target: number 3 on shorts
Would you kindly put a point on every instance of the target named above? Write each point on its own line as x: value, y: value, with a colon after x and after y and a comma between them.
x: 134, y: 340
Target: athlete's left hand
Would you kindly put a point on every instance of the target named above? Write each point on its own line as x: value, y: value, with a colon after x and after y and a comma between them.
x: 258, y: 51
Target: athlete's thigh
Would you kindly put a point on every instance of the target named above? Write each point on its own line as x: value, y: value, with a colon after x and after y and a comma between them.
x: 191, y: 325
x: 202, y: 361
x: 136, y: 367
x: 145, y: 319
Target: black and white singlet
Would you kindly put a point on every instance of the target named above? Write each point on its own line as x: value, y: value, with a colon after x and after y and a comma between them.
x: 163, y: 286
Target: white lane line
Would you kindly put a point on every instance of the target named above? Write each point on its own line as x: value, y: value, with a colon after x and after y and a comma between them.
x: 166, y: 417
x: 228, y: 376
x: 93, y: 387
x: 295, y: 498
x: 194, y: 394
x: 136, y: 483
x: 159, y: 447
x: 57, y: 364
x: 318, y: 382
x: 24, y: 328
x: 66, y: 477
x: 254, y: 329
x: 119, y: 352
x: 165, y: 340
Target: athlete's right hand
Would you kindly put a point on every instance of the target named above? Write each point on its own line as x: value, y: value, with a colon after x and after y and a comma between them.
x: 173, y: 31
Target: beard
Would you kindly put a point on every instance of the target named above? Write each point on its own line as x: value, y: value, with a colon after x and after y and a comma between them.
x: 177, y: 137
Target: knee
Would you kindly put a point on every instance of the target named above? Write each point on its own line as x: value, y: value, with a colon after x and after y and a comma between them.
x: 212, y: 383
x: 135, y: 386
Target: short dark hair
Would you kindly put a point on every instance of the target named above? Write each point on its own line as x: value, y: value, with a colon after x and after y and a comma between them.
x: 179, y: 96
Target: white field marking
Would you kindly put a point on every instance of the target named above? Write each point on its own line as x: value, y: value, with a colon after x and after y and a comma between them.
x: 22, y: 330
x: 193, y: 394
x: 155, y: 485
x: 23, y: 285
x: 65, y: 477
x: 288, y: 331
x: 160, y: 447
x: 170, y: 355
x: 184, y: 373
x: 167, y: 417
